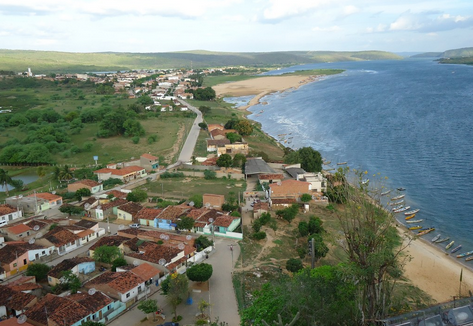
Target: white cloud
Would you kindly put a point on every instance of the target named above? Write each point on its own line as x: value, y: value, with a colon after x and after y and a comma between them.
x: 327, y: 29
x: 282, y: 9
x: 424, y: 22
x: 350, y: 10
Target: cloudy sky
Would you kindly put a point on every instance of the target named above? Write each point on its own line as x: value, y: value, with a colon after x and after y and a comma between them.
x: 235, y: 25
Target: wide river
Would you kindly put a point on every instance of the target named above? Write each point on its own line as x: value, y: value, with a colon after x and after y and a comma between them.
x: 409, y: 120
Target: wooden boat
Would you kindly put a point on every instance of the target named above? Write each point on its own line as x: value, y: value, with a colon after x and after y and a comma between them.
x: 424, y: 232
x: 342, y: 163
x: 365, y: 181
x: 412, y: 212
x: 397, y: 203
x: 469, y: 258
x: 411, y: 216
x: 402, y: 209
x: 397, y: 207
x: 384, y: 193
x: 449, y: 245
x: 327, y: 162
x: 456, y: 248
x: 398, y: 197
x: 442, y: 240
x: 401, y: 189
x: 415, y: 227
x: 436, y: 237
x: 465, y: 254
x: 414, y: 221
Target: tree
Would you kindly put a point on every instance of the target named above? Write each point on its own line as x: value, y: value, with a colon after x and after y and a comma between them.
x: 82, y: 192
x: 92, y: 323
x: 203, y: 125
x: 185, y: 223
x: 137, y: 196
x: 309, y: 158
x: 5, y: 180
x: 133, y: 127
x: 204, y: 94
x: 203, y: 305
x: 40, y: 271
x: 239, y: 161
x: 64, y: 174
x: 315, y: 225
x: 41, y: 171
x: 178, y: 290
x: 120, y: 261
x: 197, y: 200
x: 225, y: 160
x: 294, y: 265
x: 303, y: 228
x: 202, y: 242
x: 244, y: 127
x: 106, y: 254
x: 306, y: 198
x: 70, y: 281
x: 112, y: 124
x: 288, y: 213
x: 210, y: 175
x: 149, y: 306
x: 204, y: 109
x: 233, y: 137
x: 71, y: 209
x: 145, y: 100
x: 200, y: 272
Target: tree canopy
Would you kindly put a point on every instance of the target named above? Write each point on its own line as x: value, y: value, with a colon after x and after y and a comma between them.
x: 106, y: 254
x: 200, y: 272
x: 225, y: 160
x: 185, y: 223
x: 310, y: 159
x: 137, y: 196
x: 40, y: 271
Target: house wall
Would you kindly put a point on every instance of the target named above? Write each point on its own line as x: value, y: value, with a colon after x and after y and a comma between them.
x: 37, y: 253
x: 18, y: 265
x: 122, y: 215
x: 76, y: 186
x: 11, y: 216
x: 86, y: 267
x: 130, y: 295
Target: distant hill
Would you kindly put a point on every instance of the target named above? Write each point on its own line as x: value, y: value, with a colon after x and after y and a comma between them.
x: 458, y: 53
x: 60, y: 62
x: 428, y: 55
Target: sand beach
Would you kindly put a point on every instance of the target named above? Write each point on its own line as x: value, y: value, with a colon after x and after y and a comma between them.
x: 430, y: 268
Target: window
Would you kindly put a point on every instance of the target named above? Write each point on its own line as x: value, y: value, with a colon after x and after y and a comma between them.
x: 14, y: 264
x: 25, y: 262
x: 43, y: 252
x: 128, y: 295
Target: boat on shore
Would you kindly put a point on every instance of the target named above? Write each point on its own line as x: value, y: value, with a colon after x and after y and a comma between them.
x: 412, y: 212
x: 415, y: 227
x: 469, y: 258
x: 456, y: 248
x: 365, y: 181
x: 436, y: 237
x: 398, y: 197
x: 442, y: 240
x: 397, y: 203
x: 402, y: 209
x: 410, y: 217
x: 449, y: 245
x: 384, y: 193
x: 326, y: 162
x: 424, y: 232
x: 415, y: 221
x: 465, y: 254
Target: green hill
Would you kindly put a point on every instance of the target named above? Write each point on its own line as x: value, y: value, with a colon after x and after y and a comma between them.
x: 458, y: 53
x: 60, y: 62
x: 428, y: 55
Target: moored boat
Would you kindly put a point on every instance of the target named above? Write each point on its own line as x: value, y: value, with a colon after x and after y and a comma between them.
x: 398, y: 197
x: 469, y: 258
x: 365, y: 181
x: 401, y: 189
x: 456, y: 248
x: 414, y: 221
x: 342, y: 163
x: 410, y: 216
x: 402, y: 209
x: 424, y: 232
x: 397, y: 203
x: 436, y: 237
x: 449, y: 245
x: 415, y: 227
x: 442, y: 240
x: 412, y: 212
x: 384, y: 193
x: 465, y: 254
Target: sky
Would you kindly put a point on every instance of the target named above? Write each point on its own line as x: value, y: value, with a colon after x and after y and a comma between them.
x: 236, y: 25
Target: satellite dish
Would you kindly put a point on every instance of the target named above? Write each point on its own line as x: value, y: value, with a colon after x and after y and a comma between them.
x: 36, y: 227
x: 121, y: 227
x: 91, y: 291
x: 87, y: 206
x: 162, y: 236
x: 99, y: 207
x: 53, y: 192
x: 20, y: 196
x: 279, y: 183
x: 188, y: 237
x: 162, y: 261
x: 181, y: 246
x: 211, y: 220
x: 136, y: 262
x: 31, y: 241
x: 207, y: 205
x: 21, y: 319
x: 191, y: 204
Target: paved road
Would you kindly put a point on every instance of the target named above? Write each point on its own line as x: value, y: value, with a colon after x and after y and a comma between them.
x: 188, y: 148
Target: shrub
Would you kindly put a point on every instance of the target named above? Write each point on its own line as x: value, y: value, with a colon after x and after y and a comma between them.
x: 294, y: 265
x: 265, y: 218
x: 168, y: 175
x: 135, y: 139
x: 302, y: 252
x: 259, y: 235
x: 257, y: 225
x: 210, y: 175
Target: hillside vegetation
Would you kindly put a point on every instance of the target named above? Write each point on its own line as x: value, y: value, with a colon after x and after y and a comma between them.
x: 60, y: 62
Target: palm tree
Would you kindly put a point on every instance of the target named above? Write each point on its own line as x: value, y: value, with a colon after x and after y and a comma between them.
x: 41, y: 171
x: 5, y: 180
x: 65, y: 174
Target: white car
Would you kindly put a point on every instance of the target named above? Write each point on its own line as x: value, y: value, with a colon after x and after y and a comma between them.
x: 135, y: 226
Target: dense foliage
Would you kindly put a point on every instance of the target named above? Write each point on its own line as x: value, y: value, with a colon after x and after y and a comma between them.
x: 38, y: 270
x: 106, y: 254
x: 309, y: 158
x: 200, y: 272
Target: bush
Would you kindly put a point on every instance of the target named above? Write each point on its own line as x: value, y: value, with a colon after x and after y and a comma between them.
x: 168, y: 175
x: 135, y: 139
x: 259, y: 235
x: 265, y: 218
x: 294, y: 265
x: 303, y: 228
x: 210, y: 175
x: 302, y: 252
x: 257, y: 225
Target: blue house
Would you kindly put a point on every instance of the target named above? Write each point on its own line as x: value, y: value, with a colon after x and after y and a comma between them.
x: 82, y: 265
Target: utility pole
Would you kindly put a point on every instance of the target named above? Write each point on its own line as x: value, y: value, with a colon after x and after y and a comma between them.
x: 312, y: 252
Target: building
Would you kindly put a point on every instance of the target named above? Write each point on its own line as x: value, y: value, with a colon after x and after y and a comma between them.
x: 149, y: 162
x: 289, y: 189
x: 255, y: 166
x: 271, y: 178
x: 125, y: 174
x: 9, y: 213
x: 15, y: 256
x: 108, y: 210
x: 128, y: 211
x: 92, y: 185
x: 35, y: 203
x: 77, y: 265
x: 13, y: 302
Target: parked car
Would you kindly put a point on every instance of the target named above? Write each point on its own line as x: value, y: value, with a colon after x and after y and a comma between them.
x: 135, y: 226
x: 169, y: 323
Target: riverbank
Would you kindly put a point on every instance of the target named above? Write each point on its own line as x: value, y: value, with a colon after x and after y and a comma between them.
x: 429, y: 268
x: 261, y: 87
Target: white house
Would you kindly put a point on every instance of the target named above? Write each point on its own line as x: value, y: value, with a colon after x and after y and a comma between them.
x: 9, y: 213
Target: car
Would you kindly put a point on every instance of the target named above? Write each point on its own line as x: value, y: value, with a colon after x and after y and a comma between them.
x: 169, y: 323
x: 135, y: 226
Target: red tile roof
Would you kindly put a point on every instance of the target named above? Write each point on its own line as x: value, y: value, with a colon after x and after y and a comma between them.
x: 261, y: 206
x: 13, y: 321
x: 113, y: 240
x: 14, y: 299
x: 171, y: 213
x: 114, y: 203
x: 117, y: 194
x: 153, y: 252
x: 87, y: 182
x: 275, y: 176
x: 149, y: 157
x: 60, y: 236
x: 224, y: 220
x: 131, y: 208
x: 283, y: 201
x: 67, y: 264
x: 289, y: 188
x: 123, y: 171
x: 46, y: 196
x: 145, y: 271
x: 7, y: 209
x: 19, y: 228
x: 148, y: 213
x: 122, y: 282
